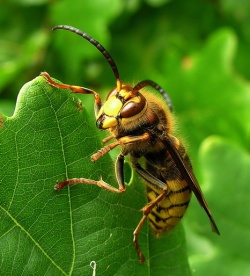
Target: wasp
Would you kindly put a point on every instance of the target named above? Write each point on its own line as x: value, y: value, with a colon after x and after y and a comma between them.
x: 142, y: 125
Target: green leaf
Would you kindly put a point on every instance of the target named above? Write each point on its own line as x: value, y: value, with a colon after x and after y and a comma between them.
x: 226, y: 173
x: 51, y: 137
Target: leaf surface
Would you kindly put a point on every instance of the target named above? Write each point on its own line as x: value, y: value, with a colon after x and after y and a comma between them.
x: 49, y: 232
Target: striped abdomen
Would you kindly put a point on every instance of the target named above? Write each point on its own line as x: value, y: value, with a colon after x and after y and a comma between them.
x: 169, y: 211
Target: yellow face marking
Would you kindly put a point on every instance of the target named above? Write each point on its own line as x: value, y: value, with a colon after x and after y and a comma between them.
x: 112, y: 107
x: 109, y: 122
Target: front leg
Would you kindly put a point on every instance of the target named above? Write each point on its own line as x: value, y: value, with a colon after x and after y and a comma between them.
x: 118, y: 167
x: 75, y: 89
x: 120, y: 141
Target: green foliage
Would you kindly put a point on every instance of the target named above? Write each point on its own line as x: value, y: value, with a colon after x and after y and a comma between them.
x: 230, y: 206
x: 198, y: 51
x: 50, y: 138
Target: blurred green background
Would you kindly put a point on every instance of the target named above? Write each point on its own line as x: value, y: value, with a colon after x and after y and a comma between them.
x: 196, y: 50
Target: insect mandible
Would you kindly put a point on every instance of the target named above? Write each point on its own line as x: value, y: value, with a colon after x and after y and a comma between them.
x: 142, y: 125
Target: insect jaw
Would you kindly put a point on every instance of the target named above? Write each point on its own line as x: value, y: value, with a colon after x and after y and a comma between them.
x: 106, y: 122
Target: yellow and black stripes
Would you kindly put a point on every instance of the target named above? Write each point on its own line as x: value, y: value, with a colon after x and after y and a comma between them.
x: 169, y: 211
x: 171, y: 208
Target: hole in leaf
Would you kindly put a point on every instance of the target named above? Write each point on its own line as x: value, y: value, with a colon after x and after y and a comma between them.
x: 128, y: 173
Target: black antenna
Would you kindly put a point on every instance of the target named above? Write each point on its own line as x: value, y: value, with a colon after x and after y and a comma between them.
x: 165, y: 95
x: 98, y: 46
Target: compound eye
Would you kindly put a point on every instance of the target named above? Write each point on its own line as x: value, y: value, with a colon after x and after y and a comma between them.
x: 133, y: 107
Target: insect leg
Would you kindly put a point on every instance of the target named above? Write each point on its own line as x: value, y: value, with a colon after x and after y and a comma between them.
x: 74, y: 89
x: 119, y: 172
x: 107, y: 139
x: 121, y: 141
x: 100, y: 183
x: 146, y: 210
x: 104, y: 150
x: 119, y: 166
